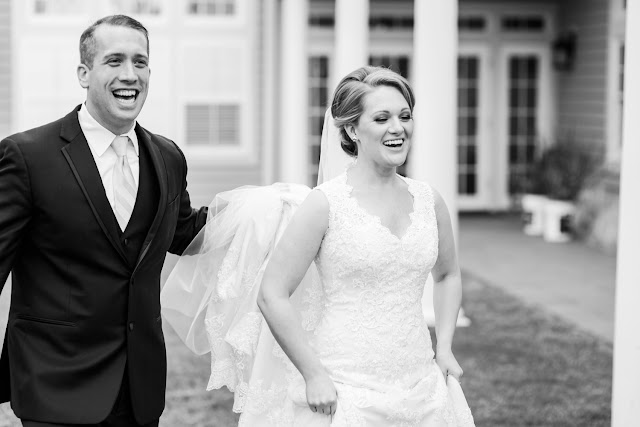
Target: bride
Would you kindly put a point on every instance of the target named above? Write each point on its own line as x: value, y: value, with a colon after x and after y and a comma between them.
x: 338, y: 274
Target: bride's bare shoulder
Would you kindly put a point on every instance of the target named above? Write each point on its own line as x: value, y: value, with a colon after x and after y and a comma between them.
x: 316, y: 202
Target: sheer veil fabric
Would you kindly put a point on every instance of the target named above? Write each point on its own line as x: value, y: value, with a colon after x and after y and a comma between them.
x: 333, y: 159
x: 210, y: 297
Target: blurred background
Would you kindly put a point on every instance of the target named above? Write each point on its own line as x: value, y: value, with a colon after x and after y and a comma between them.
x: 529, y: 166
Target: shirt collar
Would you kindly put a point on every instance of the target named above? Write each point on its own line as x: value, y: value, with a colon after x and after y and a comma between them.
x: 98, y: 137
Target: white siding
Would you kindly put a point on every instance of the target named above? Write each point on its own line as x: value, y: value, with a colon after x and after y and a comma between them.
x: 582, y: 92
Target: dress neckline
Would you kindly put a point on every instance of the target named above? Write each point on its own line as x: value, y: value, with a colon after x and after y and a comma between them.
x: 376, y: 219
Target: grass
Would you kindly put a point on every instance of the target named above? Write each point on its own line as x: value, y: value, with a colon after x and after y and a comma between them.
x: 188, y: 402
x: 523, y: 367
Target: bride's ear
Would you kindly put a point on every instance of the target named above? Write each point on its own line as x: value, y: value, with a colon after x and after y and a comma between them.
x: 351, y: 131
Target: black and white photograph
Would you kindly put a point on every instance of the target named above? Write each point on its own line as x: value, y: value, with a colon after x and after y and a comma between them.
x: 319, y: 213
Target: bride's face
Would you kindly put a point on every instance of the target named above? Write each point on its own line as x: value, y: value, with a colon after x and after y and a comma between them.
x: 385, y: 128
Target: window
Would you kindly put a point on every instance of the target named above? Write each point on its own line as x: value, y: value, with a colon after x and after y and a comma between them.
x: 472, y: 23
x: 387, y: 22
x: 213, y: 124
x: 523, y: 102
x: 322, y: 21
x: 211, y: 7
x: 60, y: 7
x: 523, y: 23
x: 137, y: 7
x: 468, y: 81
x: 379, y: 22
x: 399, y: 64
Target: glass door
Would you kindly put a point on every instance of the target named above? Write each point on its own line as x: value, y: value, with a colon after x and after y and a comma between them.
x: 475, y: 160
x: 525, y: 114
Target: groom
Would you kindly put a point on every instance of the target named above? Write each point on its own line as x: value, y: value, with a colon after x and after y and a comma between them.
x: 89, y: 206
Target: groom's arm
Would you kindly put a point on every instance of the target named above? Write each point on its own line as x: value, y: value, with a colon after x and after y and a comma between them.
x: 15, y: 204
x: 190, y: 220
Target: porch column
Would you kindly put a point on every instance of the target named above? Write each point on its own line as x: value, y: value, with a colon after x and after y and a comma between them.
x: 351, y: 37
x: 294, y: 152
x: 626, y: 347
x: 434, y: 80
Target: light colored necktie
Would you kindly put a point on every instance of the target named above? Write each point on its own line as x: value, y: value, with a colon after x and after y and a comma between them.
x: 124, y: 186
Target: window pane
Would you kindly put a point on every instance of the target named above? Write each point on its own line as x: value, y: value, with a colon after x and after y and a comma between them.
x: 471, y: 183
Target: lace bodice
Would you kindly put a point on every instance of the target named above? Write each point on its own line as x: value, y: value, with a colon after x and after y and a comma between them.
x: 372, y: 330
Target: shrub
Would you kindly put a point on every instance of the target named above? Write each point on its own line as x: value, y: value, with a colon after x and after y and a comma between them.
x: 563, y: 168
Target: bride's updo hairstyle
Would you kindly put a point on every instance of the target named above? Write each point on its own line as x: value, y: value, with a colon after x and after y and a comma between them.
x: 348, y: 99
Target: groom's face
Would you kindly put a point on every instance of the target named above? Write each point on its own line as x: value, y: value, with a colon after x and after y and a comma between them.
x: 117, y: 82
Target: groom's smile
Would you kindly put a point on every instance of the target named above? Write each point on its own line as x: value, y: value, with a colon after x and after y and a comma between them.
x: 126, y: 96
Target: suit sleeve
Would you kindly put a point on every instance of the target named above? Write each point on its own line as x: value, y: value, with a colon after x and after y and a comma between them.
x: 190, y: 220
x: 15, y: 204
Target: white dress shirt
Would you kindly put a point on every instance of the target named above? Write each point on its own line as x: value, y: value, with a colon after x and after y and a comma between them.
x: 99, y: 140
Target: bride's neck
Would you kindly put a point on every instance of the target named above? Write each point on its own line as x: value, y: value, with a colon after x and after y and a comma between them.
x: 371, y: 176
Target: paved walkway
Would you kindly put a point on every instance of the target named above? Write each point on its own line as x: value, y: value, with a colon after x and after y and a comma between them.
x: 571, y: 280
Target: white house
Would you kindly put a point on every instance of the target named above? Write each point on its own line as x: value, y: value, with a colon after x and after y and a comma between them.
x: 528, y: 73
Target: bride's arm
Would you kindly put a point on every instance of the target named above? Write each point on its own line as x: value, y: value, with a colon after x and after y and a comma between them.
x: 290, y: 261
x: 447, y: 290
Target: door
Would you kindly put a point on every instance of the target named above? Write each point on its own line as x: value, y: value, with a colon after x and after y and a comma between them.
x: 476, y: 160
x: 524, y: 114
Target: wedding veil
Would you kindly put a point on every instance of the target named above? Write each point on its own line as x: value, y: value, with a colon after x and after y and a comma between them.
x: 333, y: 159
x: 210, y: 295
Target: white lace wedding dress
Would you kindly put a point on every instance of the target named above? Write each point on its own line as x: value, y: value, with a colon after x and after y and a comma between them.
x: 360, y: 304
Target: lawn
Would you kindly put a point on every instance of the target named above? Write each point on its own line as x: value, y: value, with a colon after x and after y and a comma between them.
x: 523, y: 367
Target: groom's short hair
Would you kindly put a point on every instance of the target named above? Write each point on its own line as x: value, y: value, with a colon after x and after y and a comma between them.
x: 88, y: 40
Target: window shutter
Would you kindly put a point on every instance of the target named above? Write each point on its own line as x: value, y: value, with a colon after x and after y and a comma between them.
x: 213, y: 124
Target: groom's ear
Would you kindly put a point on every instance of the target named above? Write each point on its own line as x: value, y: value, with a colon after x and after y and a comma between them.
x: 83, y: 75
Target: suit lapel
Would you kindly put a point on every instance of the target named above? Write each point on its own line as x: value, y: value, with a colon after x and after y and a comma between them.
x: 83, y: 166
x: 157, y: 162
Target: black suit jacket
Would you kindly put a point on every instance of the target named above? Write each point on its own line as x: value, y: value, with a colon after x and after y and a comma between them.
x: 79, y: 310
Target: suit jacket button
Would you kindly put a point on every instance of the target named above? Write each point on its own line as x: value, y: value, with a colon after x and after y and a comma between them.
x: 131, y: 326
x: 126, y: 242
